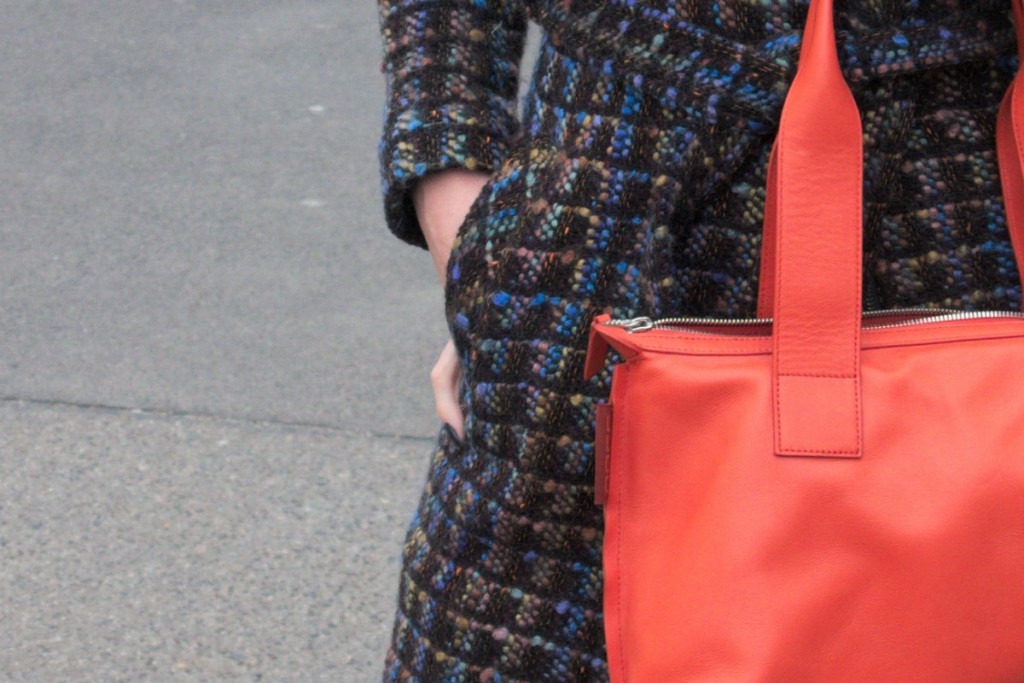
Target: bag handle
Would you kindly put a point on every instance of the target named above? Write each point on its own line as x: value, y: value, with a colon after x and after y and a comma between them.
x: 816, y: 209
x: 812, y: 263
x: 1010, y: 148
x: 1010, y: 152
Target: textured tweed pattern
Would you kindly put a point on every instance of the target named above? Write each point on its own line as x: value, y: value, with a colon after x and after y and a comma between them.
x: 635, y: 185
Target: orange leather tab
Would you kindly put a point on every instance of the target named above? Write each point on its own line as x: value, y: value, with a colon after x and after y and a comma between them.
x: 597, y: 348
x: 824, y: 410
x: 602, y: 452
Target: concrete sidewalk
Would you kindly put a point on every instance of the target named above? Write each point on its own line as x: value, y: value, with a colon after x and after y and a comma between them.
x: 141, y: 546
x: 215, y: 415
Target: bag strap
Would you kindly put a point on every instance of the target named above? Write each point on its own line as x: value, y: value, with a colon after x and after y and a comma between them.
x: 812, y: 273
x: 1010, y: 150
x: 816, y: 209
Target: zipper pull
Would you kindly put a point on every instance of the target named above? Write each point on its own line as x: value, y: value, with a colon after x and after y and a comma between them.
x: 641, y: 324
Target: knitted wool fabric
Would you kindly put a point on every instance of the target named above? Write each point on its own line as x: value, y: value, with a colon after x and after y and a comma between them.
x: 635, y: 185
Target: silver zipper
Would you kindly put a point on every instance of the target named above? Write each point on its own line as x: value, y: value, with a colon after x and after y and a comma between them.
x: 927, y: 315
x: 948, y: 317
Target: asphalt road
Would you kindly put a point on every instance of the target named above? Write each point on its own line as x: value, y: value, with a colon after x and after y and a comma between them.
x: 214, y: 409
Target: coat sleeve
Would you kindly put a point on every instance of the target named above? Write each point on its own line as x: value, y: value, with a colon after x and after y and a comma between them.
x: 451, y: 72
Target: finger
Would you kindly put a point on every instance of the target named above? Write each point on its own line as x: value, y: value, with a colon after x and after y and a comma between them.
x: 446, y: 391
x: 445, y: 378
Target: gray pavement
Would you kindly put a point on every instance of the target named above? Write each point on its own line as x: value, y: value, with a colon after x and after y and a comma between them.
x: 191, y: 215
x: 140, y: 546
x: 214, y: 408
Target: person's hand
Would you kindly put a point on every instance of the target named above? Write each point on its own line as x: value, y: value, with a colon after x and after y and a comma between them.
x: 445, y: 377
x: 441, y: 201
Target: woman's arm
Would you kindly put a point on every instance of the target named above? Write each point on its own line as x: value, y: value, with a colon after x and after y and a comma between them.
x: 441, y: 201
x: 451, y: 68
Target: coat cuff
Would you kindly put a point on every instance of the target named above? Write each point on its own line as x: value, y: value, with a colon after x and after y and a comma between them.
x: 473, y: 136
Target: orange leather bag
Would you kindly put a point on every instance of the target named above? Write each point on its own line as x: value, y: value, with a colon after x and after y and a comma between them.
x: 824, y: 495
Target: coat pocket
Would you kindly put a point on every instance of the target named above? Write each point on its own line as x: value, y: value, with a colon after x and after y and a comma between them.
x: 494, y: 205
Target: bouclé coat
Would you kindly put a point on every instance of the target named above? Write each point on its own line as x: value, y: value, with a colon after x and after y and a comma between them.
x: 633, y: 183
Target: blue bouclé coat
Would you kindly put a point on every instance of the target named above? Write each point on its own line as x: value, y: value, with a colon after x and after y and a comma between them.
x: 633, y: 183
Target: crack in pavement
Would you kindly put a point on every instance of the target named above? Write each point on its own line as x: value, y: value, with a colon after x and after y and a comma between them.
x: 165, y: 412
